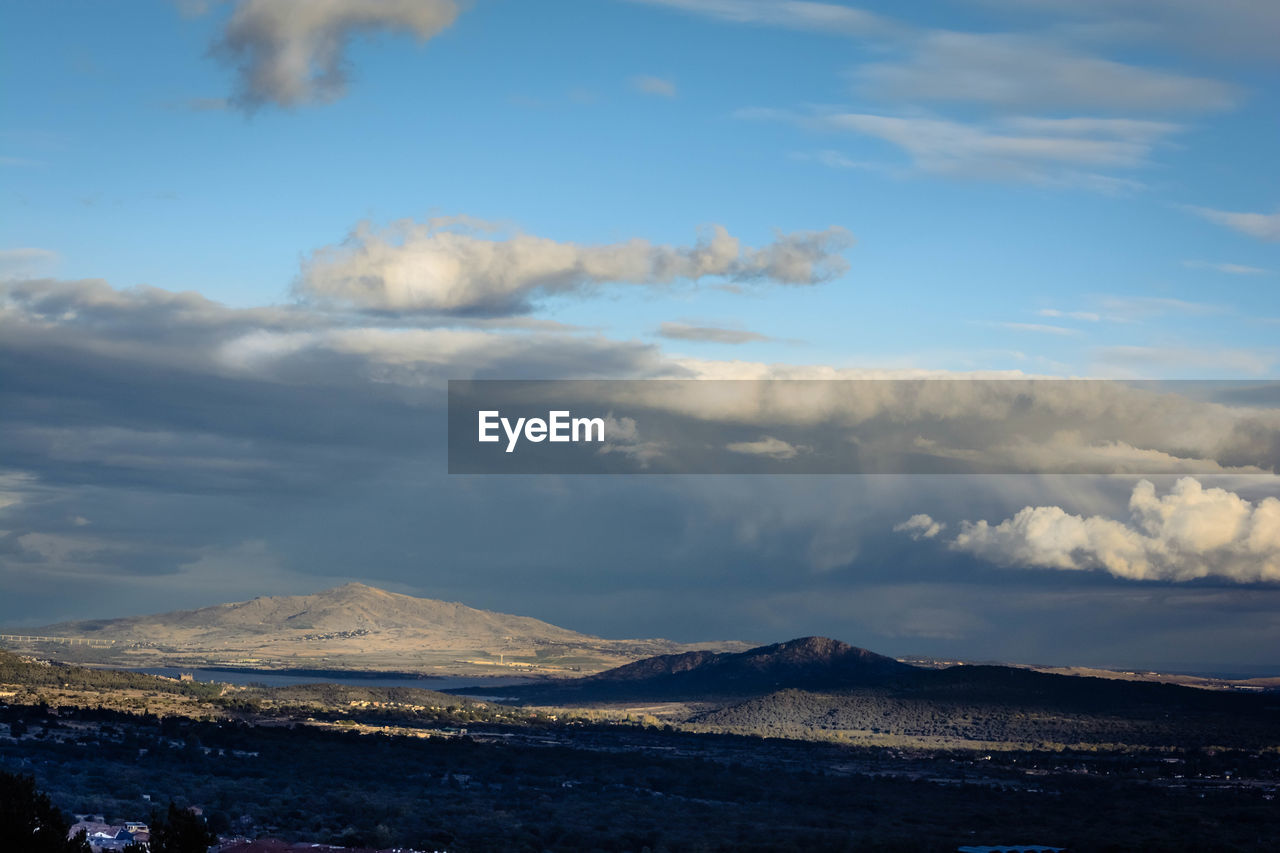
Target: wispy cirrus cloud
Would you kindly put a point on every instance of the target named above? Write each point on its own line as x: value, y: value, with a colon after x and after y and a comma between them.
x: 1232, y: 29
x: 648, y: 84
x: 1041, y: 328
x: 1088, y: 316
x: 1076, y: 151
x: 787, y: 14
x: 709, y: 334
x: 1264, y: 226
x: 1042, y: 105
x: 1228, y: 268
x: 1130, y: 308
x: 1020, y: 72
x: 1043, y: 69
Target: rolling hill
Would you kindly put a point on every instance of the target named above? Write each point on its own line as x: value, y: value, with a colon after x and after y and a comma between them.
x: 355, y: 627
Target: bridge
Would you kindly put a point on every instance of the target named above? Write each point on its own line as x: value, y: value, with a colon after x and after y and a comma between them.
x: 70, y: 641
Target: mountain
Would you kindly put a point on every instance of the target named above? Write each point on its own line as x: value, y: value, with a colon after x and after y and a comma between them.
x: 349, y: 627
x: 812, y: 663
x: 819, y: 688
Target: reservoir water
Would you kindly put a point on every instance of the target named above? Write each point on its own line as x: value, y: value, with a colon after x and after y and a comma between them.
x: 270, y: 678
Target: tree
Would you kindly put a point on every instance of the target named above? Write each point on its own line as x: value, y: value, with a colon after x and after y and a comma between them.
x: 31, y: 819
x: 179, y: 831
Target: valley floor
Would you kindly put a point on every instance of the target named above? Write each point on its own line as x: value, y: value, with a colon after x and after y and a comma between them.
x: 376, y: 780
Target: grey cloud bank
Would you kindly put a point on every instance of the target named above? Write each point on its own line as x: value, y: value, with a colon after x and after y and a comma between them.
x: 165, y: 450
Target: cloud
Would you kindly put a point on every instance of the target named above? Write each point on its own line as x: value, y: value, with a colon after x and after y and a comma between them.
x: 1044, y: 151
x: 948, y: 146
x: 920, y: 526
x: 1229, y: 269
x: 774, y: 448
x: 857, y: 422
x: 1232, y: 29
x: 1041, y: 328
x: 155, y: 386
x: 1088, y: 316
x: 651, y: 85
x: 221, y: 450
x: 1264, y: 226
x: 834, y: 159
x: 786, y: 14
x: 708, y: 334
x: 25, y: 261
x: 292, y: 52
x: 1142, y: 360
x: 1191, y: 532
x: 460, y: 266
x: 1130, y: 308
x: 1019, y: 72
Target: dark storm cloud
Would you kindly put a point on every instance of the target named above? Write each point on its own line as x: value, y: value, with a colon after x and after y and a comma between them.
x: 937, y: 425
x: 173, y: 392
x: 162, y: 450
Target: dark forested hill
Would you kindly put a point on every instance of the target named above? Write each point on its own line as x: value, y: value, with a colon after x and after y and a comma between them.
x: 821, y: 687
x: 1066, y: 716
x: 811, y: 662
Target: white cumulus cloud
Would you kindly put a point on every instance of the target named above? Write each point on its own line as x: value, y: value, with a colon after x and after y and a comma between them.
x: 1190, y: 532
x: 774, y: 448
x: 457, y: 265
x: 920, y: 526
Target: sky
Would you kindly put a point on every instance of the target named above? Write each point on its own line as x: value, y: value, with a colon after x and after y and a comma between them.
x: 245, y: 244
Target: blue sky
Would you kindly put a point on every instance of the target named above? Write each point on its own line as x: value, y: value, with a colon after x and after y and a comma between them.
x: 212, y: 208
x: 122, y: 161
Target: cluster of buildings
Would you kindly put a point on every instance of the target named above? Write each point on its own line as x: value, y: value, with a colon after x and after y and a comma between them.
x: 104, y: 836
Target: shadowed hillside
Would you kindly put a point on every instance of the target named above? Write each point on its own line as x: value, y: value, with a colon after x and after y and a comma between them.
x: 821, y: 688
x: 811, y: 662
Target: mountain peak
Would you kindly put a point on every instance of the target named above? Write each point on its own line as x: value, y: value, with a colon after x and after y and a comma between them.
x: 357, y: 626
x: 354, y: 587
x: 814, y: 647
x: 813, y: 663
x: 815, y: 650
